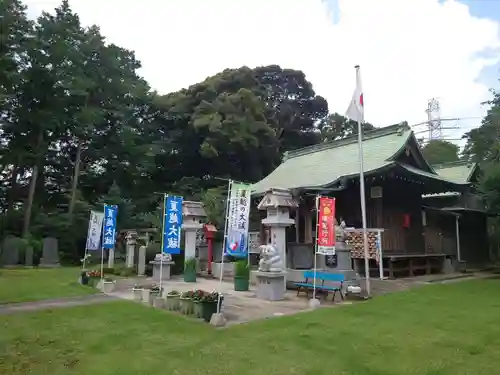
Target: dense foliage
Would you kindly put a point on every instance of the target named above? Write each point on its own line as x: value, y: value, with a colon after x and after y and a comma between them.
x: 80, y: 127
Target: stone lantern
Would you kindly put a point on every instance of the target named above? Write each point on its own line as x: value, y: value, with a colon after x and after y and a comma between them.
x: 130, y: 241
x: 278, y: 203
x: 193, y: 215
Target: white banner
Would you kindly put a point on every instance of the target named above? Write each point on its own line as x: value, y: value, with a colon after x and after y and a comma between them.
x: 237, y: 220
x: 94, y: 232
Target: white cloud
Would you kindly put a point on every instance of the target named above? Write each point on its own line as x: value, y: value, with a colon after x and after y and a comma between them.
x: 409, y: 50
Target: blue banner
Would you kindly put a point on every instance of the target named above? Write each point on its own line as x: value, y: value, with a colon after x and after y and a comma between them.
x: 109, y: 227
x: 172, y: 224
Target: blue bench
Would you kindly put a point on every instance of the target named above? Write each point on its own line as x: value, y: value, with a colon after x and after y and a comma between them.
x: 308, y: 284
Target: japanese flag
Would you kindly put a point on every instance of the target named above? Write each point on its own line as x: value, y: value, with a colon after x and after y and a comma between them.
x: 356, y: 109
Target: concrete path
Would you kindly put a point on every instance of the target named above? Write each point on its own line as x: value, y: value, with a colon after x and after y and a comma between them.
x: 13, y: 308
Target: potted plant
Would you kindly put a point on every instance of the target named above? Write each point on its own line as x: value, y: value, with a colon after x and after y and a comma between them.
x: 197, y: 305
x: 209, y: 305
x: 93, y: 277
x: 172, y: 300
x: 107, y: 285
x: 190, y: 270
x: 186, y: 302
x: 154, y: 294
x: 84, y: 278
x: 137, y: 292
x: 241, y: 275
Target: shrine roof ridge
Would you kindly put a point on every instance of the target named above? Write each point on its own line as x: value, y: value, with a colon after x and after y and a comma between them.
x: 375, y: 133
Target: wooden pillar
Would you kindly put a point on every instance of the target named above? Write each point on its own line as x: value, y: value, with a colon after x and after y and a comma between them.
x: 297, y: 224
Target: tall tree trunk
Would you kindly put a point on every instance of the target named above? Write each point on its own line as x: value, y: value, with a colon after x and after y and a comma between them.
x: 13, y: 189
x: 32, y: 188
x: 74, y: 183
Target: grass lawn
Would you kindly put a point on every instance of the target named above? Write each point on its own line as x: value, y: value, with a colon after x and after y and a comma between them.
x: 21, y: 285
x: 448, y: 329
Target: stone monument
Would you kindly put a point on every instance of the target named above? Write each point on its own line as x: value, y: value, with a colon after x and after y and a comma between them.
x: 278, y: 203
x: 340, y: 262
x: 193, y: 214
x: 161, y: 266
x: 28, y: 256
x: 10, y: 251
x: 130, y: 241
x: 141, y: 262
x: 50, y: 253
x: 270, y: 276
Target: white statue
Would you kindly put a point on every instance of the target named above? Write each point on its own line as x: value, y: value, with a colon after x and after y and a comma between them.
x: 270, y: 260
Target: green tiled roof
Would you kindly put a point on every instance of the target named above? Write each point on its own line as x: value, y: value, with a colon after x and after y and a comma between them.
x: 321, y: 165
x: 459, y: 172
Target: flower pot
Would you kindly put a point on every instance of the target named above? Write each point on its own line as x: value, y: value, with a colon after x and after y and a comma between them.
x: 107, y: 286
x: 84, y: 279
x: 172, y: 302
x: 159, y: 302
x: 186, y: 305
x: 208, y: 309
x: 241, y: 284
x: 198, y: 309
x: 152, y: 297
x: 145, y: 295
x: 189, y: 276
x: 137, y: 294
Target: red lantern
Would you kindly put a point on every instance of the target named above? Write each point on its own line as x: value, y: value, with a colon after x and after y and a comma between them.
x: 210, y: 231
x: 406, y: 220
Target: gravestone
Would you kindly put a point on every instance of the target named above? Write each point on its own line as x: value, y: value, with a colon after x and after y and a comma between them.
x: 50, y: 253
x: 141, y: 264
x: 28, y: 258
x: 10, y: 251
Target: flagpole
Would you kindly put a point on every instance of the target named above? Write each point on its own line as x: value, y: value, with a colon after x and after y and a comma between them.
x: 316, y: 247
x: 164, y: 213
x: 363, y: 200
x: 224, y: 243
x: 102, y: 246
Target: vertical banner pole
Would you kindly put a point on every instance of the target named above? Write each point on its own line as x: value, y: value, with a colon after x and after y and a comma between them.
x: 164, y: 213
x: 102, y: 245
x: 380, y: 255
x: 86, y: 242
x: 316, y: 246
x: 224, y: 243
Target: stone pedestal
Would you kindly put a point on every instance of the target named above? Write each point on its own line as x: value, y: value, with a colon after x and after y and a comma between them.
x: 162, y: 268
x: 270, y: 285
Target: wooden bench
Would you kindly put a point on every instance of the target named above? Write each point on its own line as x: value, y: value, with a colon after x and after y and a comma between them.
x: 309, y: 285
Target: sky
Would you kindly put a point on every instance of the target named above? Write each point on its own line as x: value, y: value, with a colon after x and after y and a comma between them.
x: 409, y: 50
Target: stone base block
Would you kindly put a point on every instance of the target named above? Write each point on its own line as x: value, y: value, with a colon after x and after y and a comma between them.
x: 161, y: 268
x: 270, y: 285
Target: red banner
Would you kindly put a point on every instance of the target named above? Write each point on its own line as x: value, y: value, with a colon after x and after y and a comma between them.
x: 326, y: 225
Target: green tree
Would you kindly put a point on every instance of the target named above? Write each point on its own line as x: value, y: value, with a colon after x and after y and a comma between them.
x: 438, y: 151
x: 336, y: 126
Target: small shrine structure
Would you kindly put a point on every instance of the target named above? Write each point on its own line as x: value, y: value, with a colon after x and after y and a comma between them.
x: 470, y: 214
x: 397, y: 176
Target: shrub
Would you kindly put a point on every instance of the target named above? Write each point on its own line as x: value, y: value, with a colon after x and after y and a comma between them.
x: 190, y: 265
x: 242, y: 269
